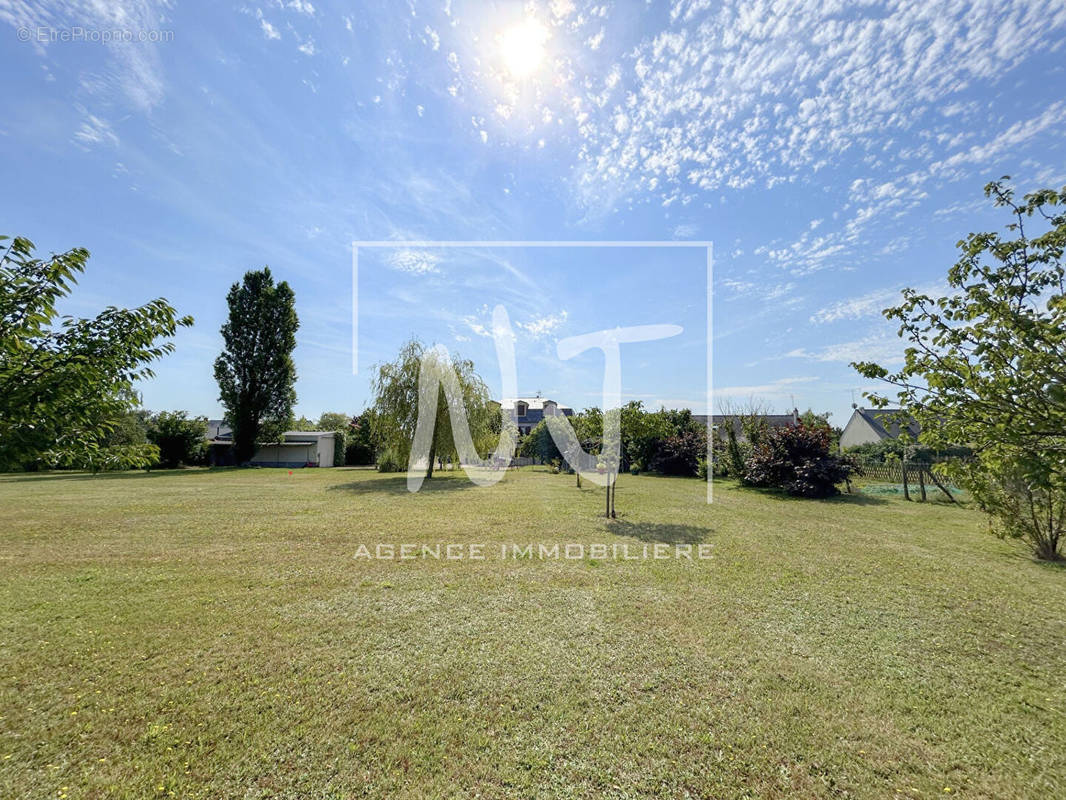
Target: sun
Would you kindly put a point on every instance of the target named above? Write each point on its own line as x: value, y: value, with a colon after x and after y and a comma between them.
x: 522, y: 47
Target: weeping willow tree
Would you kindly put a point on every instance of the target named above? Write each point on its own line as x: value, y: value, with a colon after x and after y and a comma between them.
x: 396, y: 406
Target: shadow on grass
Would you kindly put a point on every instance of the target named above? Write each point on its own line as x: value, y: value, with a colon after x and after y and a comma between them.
x: 1017, y: 552
x: 57, y: 475
x: 659, y: 532
x: 397, y: 485
x: 855, y: 499
x: 842, y: 499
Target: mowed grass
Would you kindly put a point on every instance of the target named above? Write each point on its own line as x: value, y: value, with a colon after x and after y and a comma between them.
x: 211, y: 634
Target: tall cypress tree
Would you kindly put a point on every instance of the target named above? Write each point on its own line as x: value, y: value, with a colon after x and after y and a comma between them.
x: 255, y: 371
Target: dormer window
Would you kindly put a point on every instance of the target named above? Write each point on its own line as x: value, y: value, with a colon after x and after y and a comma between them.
x: 521, y: 408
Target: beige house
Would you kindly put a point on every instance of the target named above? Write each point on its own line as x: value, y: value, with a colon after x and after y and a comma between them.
x: 869, y: 426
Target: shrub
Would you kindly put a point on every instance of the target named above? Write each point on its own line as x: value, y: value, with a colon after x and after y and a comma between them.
x: 340, y: 447
x: 735, y: 457
x: 180, y: 440
x: 359, y: 447
x: 680, y: 454
x: 797, y: 459
x: 538, y: 443
x: 390, y: 461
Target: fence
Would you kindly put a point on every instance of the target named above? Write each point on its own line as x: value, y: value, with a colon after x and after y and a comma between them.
x: 916, y: 477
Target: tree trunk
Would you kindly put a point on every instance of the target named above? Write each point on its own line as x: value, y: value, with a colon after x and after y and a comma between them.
x: 432, y: 456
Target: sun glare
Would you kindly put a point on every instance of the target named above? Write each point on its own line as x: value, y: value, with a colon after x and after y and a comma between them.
x: 522, y: 47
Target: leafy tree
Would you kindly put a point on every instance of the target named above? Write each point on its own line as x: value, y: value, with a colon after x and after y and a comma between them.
x: 642, y: 431
x: 396, y: 393
x: 538, y: 443
x: 180, y: 440
x: 985, y: 366
x: 66, y: 384
x: 588, y: 427
x: 334, y: 421
x: 360, y: 441
x: 813, y: 420
x: 131, y: 427
x: 255, y: 371
x: 799, y: 460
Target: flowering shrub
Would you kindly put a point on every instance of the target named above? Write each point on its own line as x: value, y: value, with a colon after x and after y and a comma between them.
x: 680, y: 454
x: 797, y: 459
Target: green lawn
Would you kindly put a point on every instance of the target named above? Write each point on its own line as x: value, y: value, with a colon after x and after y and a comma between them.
x: 211, y: 634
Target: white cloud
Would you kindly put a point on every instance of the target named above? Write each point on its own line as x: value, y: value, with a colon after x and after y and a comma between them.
x: 415, y: 262
x: 866, y: 305
x: 539, y: 327
x: 298, y: 5
x: 95, y: 131
x: 879, y: 348
x: 269, y: 31
x: 766, y: 291
x: 870, y: 304
x: 432, y: 38
x: 780, y: 387
x: 475, y: 324
x: 756, y: 92
x: 1016, y: 135
x: 561, y: 9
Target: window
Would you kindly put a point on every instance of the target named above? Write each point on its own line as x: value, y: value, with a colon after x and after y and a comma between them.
x: 521, y: 409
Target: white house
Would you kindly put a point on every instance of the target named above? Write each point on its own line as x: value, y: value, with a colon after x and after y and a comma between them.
x: 869, y: 426
x: 296, y: 448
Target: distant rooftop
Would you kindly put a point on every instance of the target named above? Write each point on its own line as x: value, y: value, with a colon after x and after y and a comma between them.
x: 533, y: 403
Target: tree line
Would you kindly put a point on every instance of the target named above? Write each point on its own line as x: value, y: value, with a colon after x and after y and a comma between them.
x: 68, y: 385
x: 984, y: 369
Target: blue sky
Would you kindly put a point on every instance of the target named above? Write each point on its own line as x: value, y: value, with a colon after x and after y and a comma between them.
x: 833, y: 152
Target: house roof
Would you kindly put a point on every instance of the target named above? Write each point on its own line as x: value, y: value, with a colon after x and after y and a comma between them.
x: 533, y: 403
x: 773, y: 420
x: 219, y: 433
x: 881, y: 420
